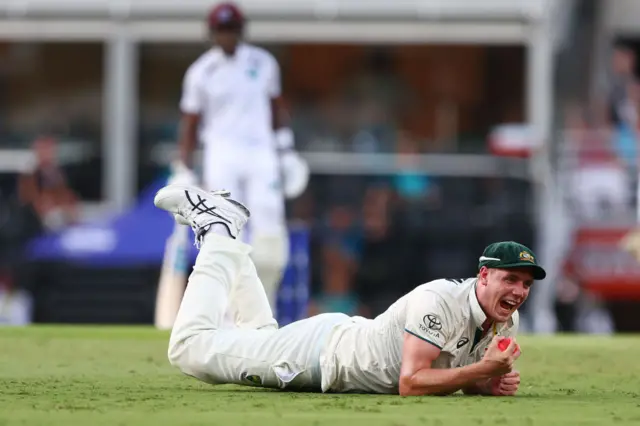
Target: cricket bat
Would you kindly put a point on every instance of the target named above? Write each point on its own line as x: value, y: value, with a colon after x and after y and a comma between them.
x: 173, y: 278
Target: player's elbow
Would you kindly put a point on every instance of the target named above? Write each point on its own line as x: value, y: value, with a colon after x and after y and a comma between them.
x: 407, y: 387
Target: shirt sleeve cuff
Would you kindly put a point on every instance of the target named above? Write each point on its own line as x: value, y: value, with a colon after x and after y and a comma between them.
x: 425, y: 339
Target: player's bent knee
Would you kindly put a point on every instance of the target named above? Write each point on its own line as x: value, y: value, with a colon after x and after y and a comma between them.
x: 190, y: 356
x: 176, y: 353
x: 181, y: 355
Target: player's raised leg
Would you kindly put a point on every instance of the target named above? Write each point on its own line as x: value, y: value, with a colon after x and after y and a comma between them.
x: 249, y: 305
x: 200, y: 344
x: 217, y: 268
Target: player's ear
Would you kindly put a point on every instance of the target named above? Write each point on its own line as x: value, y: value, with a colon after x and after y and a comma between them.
x: 483, y: 275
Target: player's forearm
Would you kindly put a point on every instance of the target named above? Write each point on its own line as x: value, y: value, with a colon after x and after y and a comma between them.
x: 186, y: 146
x: 188, y: 139
x: 280, y: 115
x: 443, y: 381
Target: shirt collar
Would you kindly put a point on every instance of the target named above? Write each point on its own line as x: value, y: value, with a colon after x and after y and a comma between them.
x: 241, y: 50
x: 240, y: 53
x: 477, y: 314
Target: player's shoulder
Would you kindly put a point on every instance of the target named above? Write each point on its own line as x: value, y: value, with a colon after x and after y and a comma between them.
x: 259, y: 51
x: 451, y: 293
x: 448, y: 287
x: 261, y: 54
x: 203, y: 63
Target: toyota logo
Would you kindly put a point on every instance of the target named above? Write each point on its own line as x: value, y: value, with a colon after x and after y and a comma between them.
x: 432, y: 322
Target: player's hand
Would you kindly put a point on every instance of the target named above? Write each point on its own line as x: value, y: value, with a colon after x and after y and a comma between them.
x: 500, y: 362
x: 181, y: 175
x: 295, y: 174
x: 506, y: 385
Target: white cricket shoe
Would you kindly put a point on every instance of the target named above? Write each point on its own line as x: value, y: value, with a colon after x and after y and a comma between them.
x: 200, y: 209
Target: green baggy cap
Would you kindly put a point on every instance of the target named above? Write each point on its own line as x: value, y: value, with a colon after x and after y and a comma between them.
x: 509, y: 254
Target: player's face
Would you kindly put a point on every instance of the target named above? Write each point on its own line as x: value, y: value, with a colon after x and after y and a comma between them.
x: 227, y: 39
x: 505, y: 291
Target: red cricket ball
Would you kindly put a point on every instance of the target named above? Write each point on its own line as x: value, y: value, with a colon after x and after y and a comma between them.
x: 504, y: 344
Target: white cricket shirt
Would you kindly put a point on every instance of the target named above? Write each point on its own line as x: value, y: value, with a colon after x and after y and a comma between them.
x: 365, y: 355
x: 233, y: 97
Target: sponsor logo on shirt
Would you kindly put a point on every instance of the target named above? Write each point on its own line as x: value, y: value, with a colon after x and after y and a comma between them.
x: 431, y: 325
x: 254, y: 66
x: 432, y: 322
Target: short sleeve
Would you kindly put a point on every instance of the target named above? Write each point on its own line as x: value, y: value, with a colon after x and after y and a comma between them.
x: 191, y: 101
x: 428, y: 319
x: 274, y: 86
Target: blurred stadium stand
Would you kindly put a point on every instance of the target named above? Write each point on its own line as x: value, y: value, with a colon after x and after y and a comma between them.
x: 396, y: 105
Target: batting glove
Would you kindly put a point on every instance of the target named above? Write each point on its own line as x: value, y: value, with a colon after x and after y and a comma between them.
x: 294, y: 168
x: 181, y: 175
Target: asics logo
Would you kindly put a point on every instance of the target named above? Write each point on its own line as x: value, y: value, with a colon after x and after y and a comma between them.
x: 462, y: 342
x: 202, y: 208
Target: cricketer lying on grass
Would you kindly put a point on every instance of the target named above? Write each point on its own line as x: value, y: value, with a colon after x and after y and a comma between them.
x: 439, y: 338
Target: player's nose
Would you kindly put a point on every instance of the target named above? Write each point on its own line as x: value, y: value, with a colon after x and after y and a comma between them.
x: 519, y: 291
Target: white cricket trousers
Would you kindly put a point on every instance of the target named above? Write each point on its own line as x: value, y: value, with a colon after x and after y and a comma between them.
x: 252, y: 175
x: 256, y: 352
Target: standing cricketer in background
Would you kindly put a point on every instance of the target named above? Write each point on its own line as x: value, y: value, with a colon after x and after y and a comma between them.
x: 232, y: 103
x: 442, y: 337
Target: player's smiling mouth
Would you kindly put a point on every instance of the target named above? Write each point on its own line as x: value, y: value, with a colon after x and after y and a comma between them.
x: 508, y: 304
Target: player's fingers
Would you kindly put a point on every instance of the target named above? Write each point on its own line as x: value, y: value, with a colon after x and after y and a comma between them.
x: 508, y: 388
x: 514, y: 373
x: 518, y: 352
x: 511, y: 349
x: 510, y: 380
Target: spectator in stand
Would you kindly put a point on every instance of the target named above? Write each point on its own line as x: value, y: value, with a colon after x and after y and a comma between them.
x: 341, y: 240
x: 45, y: 189
x: 412, y: 183
x: 15, y: 304
x: 623, y: 104
x: 381, y: 256
x: 598, y: 179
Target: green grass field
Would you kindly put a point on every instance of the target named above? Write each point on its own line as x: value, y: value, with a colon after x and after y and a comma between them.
x: 119, y: 376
